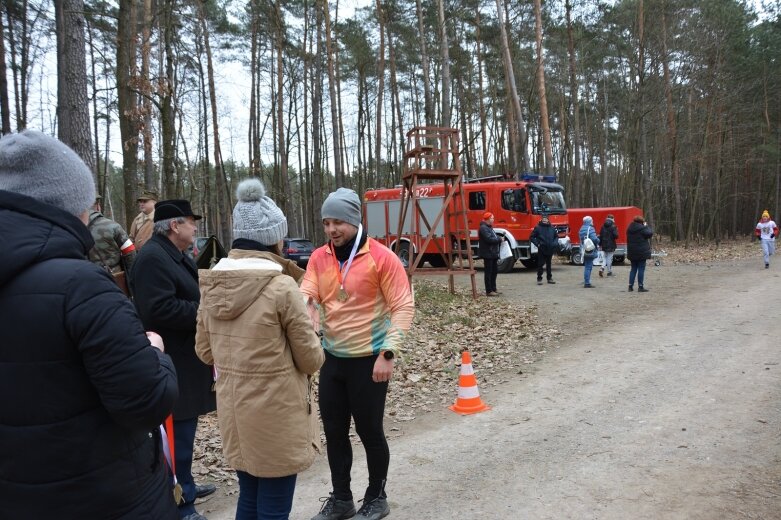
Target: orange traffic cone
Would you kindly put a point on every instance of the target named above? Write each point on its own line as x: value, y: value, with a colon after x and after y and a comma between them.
x: 468, y: 400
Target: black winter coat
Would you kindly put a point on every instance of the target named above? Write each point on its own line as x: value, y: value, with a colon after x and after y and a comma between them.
x: 83, y: 390
x: 546, y: 238
x: 489, y: 242
x: 638, y: 246
x: 608, y: 235
x: 165, y: 287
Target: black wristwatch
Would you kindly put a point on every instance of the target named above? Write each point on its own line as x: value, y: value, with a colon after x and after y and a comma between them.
x: 387, y: 354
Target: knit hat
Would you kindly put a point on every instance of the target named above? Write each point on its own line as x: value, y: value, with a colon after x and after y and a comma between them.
x: 765, y: 214
x: 487, y: 215
x: 44, y: 168
x: 588, y: 220
x: 343, y: 204
x: 255, y: 216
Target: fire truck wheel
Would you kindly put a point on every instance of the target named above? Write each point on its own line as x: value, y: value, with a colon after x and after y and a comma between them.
x: 436, y: 260
x: 403, y: 253
x: 576, y: 258
x: 618, y: 260
x: 530, y: 263
x: 506, y: 265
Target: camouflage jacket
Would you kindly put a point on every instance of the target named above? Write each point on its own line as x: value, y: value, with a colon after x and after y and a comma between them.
x: 113, y: 248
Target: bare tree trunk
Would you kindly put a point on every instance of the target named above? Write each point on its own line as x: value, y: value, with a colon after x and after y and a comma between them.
x: 396, y: 99
x: 573, y: 88
x: 317, y: 96
x: 481, y: 95
x: 283, y: 159
x: 126, y: 104
x: 20, y: 68
x: 546, y: 142
x: 338, y: 165
x: 73, y: 126
x: 513, y: 90
x: 444, y: 49
x: 167, y: 111
x: 672, y: 131
x: 428, y: 102
x: 101, y: 179
x: 220, y: 185
x: 641, y: 175
x: 146, y: 49
x: 380, y: 86
x: 5, y: 107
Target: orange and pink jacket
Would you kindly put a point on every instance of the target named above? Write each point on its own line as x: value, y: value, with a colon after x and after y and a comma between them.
x: 379, y: 310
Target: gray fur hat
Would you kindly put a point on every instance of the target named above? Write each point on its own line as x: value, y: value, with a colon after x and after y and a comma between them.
x: 588, y: 220
x: 255, y: 216
x: 44, y: 168
x: 343, y: 204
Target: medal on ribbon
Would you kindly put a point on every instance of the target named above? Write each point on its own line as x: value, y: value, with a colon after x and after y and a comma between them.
x: 343, y: 296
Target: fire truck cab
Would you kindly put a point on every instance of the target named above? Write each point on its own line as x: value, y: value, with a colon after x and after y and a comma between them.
x: 517, y: 207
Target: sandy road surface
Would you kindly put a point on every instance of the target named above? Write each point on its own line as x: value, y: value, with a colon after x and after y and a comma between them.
x: 658, y: 405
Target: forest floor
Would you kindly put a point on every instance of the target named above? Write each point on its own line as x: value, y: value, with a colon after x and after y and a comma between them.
x: 605, y: 404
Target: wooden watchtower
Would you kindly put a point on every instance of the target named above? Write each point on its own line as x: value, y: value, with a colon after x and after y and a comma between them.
x: 441, y: 232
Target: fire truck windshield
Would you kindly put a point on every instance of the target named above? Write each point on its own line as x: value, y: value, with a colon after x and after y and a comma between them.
x: 548, y: 202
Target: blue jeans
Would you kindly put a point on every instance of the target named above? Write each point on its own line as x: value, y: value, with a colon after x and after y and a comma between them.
x: 265, y: 498
x: 638, y: 268
x: 588, y: 265
x: 184, y: 439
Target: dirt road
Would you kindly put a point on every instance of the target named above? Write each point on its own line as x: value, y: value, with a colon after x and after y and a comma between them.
x: 658, y: 405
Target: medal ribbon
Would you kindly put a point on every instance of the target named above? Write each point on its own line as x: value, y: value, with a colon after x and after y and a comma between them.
x: 343, y: 277
x: 167, y: 434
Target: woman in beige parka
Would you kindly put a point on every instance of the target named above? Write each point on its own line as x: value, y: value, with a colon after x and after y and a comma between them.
x: 254, y: 328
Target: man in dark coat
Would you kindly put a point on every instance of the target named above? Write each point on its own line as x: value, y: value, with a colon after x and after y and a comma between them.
x: 545, y: 237
x: 165, y: 286
x: 638, y: 250
x: 488, y: 249
x: 84, y: 387
x: 608, y: 235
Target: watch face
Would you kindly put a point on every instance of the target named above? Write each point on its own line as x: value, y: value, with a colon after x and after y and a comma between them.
x: 387, y: 354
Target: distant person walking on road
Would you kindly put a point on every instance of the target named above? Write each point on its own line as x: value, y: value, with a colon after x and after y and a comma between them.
x: 254, y: 328
x: 588, y: 234
x: 766, y: 232
x: 638, y: 250
x: 545, y: 237
x: 488, y: 250
x: 608, y: 235
x: 367, y: 305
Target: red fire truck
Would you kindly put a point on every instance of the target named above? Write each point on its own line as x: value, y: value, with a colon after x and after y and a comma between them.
x: 622, y: 216
x: 517, y: 207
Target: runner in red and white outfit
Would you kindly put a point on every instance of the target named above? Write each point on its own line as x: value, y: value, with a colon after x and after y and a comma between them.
x: 767, y: 231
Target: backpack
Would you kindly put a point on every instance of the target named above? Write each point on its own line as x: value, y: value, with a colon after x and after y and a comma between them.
x: 588, y: 244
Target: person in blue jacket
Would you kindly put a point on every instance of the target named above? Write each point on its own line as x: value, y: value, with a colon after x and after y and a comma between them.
x: 587, y: 231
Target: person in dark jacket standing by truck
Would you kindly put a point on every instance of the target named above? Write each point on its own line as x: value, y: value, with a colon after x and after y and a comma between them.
x: 488, y: 250
x: 545, y: 237
x: 165, y: 286
x: 638, y: 250
x: 608, y: 235
x: 85, y: 388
